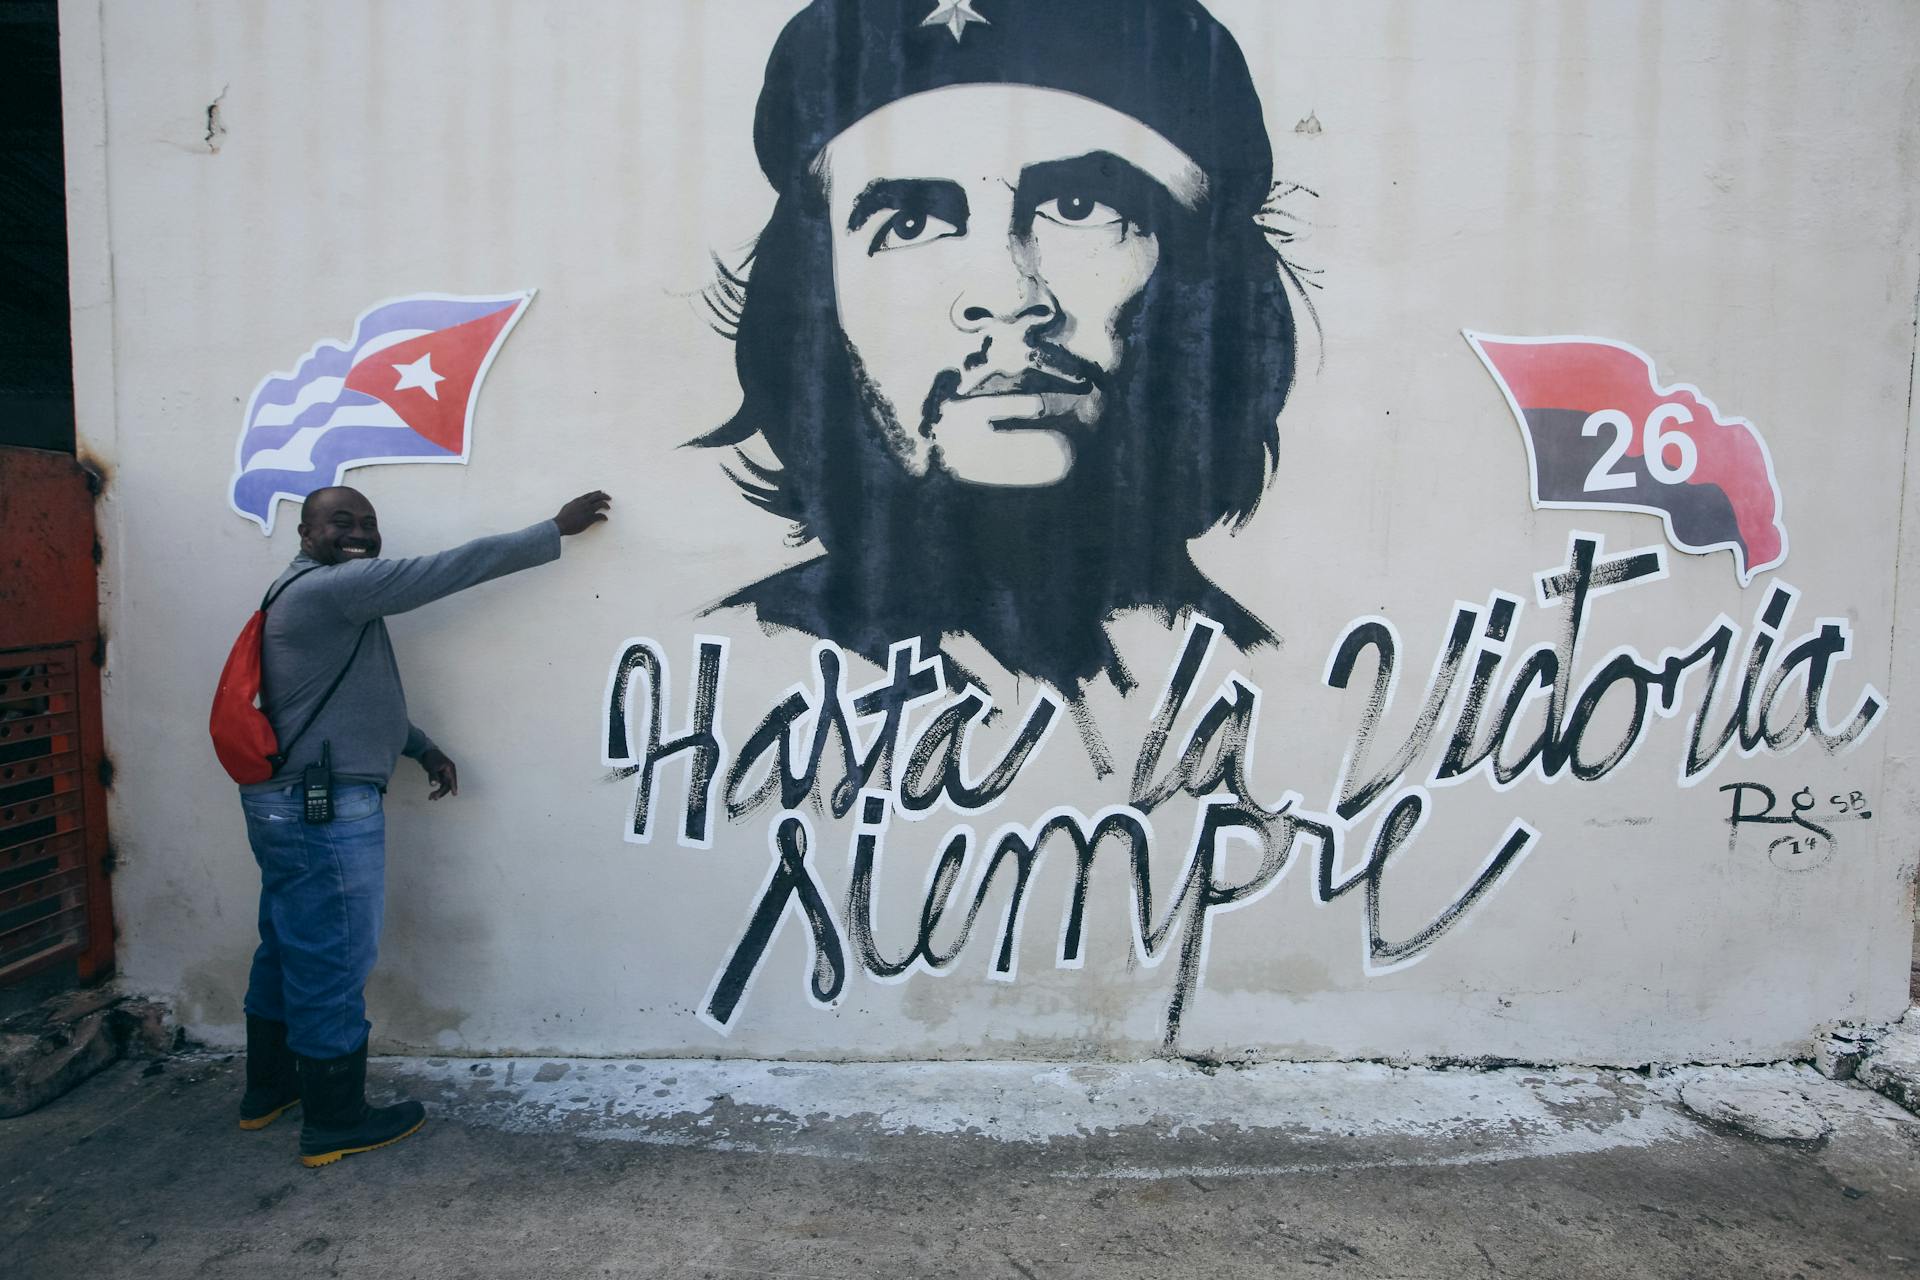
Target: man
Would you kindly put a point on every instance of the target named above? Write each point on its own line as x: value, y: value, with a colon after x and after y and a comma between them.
x: 332, y: 691
x: 1014, y: 334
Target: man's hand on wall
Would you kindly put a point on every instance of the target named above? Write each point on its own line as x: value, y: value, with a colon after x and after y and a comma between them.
x: 440, y: 771
x: 582, y: 513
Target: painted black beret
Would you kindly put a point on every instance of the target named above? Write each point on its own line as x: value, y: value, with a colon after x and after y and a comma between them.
x: 1166, y: 63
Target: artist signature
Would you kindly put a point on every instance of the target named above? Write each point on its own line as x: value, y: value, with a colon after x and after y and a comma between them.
x: 1810, y: 844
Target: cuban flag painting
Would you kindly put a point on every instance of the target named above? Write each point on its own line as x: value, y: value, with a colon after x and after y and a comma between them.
x: 1603, y: 433
x: 403, y: 390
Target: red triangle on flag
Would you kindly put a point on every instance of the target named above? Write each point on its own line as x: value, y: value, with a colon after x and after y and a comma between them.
x: 456, y: 354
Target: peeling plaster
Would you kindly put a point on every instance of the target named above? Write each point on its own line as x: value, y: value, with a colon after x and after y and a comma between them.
x: 216, y: 127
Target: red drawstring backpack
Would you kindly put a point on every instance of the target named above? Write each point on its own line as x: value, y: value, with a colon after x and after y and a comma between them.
x: 243, y: 737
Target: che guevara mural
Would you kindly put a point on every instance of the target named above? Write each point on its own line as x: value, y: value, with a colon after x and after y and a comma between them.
x: 1021, y: 327
x: 1019, y: 691
x: 998, y: 286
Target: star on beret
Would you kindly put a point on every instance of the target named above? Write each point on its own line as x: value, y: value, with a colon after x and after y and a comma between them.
x: 954, y: 15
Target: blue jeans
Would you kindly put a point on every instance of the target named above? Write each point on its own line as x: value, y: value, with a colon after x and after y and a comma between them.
x: 322, y: 897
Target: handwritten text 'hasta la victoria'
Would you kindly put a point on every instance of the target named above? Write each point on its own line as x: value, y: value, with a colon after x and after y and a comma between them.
x: 1767, y: 694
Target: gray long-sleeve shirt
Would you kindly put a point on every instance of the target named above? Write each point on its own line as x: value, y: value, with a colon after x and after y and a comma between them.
x: 312, y: 626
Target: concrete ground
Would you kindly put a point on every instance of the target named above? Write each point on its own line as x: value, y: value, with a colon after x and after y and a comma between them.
x: 588, y: 1168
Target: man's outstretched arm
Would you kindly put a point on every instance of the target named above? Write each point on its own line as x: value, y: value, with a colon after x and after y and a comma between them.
x: 579, y: 515
x: 368, y: 589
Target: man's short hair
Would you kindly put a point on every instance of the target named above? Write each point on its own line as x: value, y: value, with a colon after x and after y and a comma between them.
x: 312, y: 501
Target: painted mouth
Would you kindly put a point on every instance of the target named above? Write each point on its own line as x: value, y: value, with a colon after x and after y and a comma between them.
x: 1027, y: 382
x: 1036, y: 398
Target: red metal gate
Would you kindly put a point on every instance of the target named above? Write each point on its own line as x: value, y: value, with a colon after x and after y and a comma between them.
x: 54, y: 904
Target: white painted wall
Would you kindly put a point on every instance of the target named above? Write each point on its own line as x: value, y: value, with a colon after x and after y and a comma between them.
x: 1730, y: 186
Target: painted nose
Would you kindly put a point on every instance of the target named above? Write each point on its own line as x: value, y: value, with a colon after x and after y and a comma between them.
x: 1017, y: 297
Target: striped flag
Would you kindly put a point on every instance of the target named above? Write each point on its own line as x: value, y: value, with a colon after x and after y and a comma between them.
x: 1602, y: 433
x: 403, y: 390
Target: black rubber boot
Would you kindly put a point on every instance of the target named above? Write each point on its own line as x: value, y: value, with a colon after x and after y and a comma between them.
x: 273, y: 1080
x: 338, y: 1122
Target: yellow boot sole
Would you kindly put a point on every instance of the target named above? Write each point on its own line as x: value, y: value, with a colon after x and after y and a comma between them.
x: 315, y: 1162
x: 261, y: 1122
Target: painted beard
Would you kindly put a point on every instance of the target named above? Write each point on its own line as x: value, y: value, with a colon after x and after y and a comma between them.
x: 908, y: 521
x: 1075, y: 392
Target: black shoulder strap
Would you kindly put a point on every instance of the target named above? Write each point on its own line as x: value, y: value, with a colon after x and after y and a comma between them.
x: 274, y: 593
x: 279, y: 758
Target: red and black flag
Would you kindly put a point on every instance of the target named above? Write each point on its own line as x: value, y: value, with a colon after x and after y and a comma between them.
x: 1601, y: 432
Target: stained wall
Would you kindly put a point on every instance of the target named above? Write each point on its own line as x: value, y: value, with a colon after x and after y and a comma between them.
x: 1727, y: 188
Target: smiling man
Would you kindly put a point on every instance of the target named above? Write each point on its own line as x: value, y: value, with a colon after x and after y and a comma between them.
x: 331, y: 688
x: 1014, y: 335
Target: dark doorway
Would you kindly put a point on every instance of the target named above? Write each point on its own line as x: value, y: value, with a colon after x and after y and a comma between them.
x: 56, y: 921
x: 36, y: 357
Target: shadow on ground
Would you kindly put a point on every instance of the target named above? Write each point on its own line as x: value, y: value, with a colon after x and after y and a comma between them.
x: 142, y: 1171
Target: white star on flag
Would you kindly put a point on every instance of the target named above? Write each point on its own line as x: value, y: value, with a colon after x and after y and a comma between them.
x: 954, y: 15
x: 419, y: 374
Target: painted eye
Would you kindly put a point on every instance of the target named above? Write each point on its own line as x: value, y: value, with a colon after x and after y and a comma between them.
x: 910, y: 227
x: 1078, y: 211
